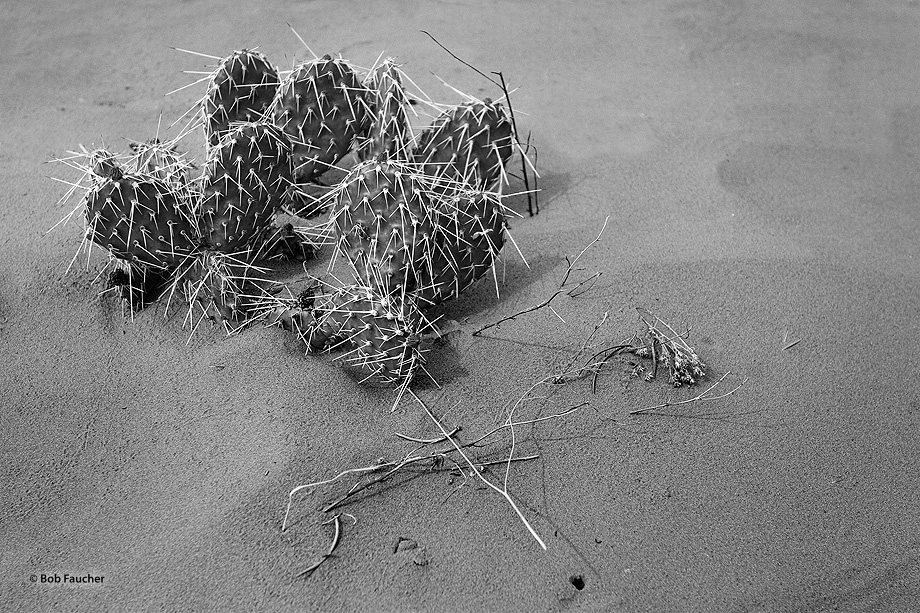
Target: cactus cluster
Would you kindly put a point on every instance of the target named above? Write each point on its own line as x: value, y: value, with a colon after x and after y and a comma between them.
x: 418, y: 218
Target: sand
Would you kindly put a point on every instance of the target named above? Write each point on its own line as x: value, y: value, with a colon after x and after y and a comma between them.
x: 759, y: 167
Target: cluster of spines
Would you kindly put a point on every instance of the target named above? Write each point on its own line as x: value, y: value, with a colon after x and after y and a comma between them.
x: 227, y: 289
x: 162, y: 161
x: 378, y: 333
x: 390, y: 134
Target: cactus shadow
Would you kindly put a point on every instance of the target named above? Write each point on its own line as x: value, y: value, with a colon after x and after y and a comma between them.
x: 480, y: 300
x: 443, y: 366
x: 548, y: 188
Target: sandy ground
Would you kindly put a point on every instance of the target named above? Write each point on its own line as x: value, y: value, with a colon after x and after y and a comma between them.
x: 759, y: 165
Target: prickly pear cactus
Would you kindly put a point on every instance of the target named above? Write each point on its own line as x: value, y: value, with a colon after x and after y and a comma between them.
x: 244, y: 181
x: 470, y: 143
x: 241, y: 89
x: 136, y: 216
x: 385, y: 225
x: 390, y: 133
x: 381, y: 334
x: 323, y: 108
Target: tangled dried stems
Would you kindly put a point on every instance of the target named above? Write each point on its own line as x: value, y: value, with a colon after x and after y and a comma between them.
x: 456, y: 455
x: 665, y: 346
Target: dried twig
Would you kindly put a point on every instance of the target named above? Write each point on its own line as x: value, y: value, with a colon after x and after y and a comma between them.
x: 699, y: 397
x: 309, y: 571
x: 533, y: 205
x: 790, y: 344
x: 562, y: 286
x: 335, y: 542
x: 423, y: 441
x: 335, y: 537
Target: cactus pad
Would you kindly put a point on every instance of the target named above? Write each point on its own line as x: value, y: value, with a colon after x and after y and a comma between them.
x: 380, y: 333
x: 470, y: 143
x: 323, y: 108
x: 471, y: 233
x: 390, y: 133
x: 241, y: 89
x: 244, y: 181
x: 385, y: 224
x: 137, y: 217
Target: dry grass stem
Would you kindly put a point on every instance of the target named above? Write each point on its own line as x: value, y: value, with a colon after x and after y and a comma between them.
x: 423, y: 441
x: 562, y: 289
x: 698, y: 398
x: 335, y: 543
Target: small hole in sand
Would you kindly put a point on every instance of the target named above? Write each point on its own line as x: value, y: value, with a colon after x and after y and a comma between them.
x: 578, y: 581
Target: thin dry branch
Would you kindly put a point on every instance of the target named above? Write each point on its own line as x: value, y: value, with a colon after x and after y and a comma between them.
x: 424, y: 441
x: 703, y: 396
x: 533, y: 204
x: 562, y: 286
x: 335, y: 542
